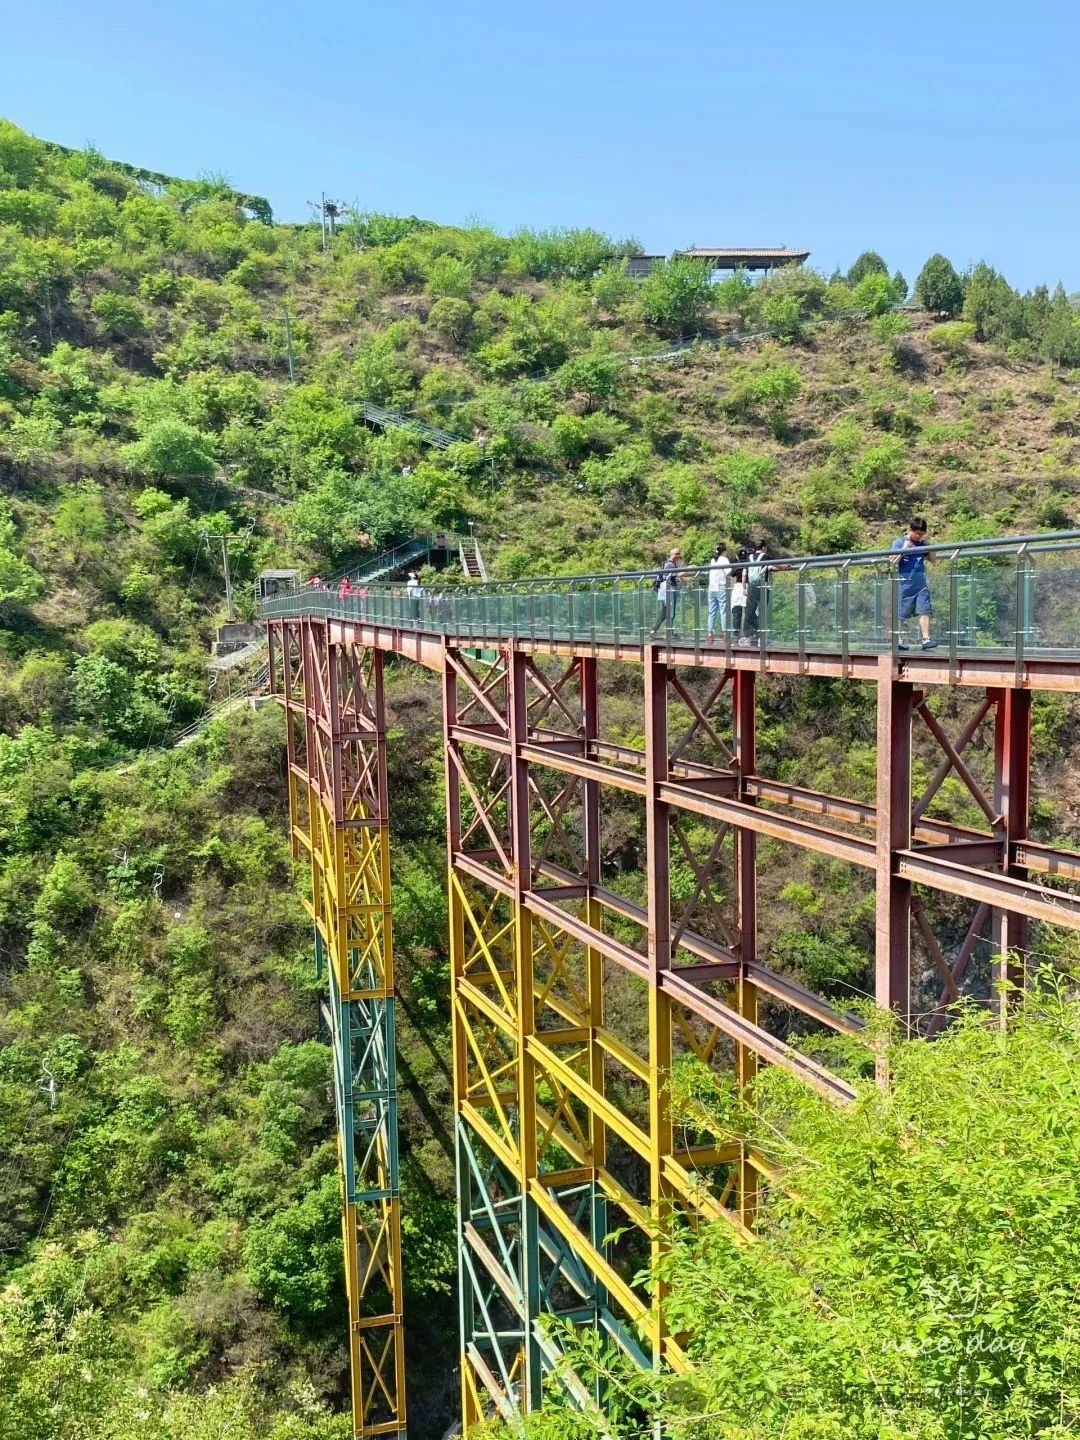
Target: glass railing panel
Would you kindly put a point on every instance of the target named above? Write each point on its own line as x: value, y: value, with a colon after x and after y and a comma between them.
x: 868, y: 624
x: 1050, y: 598
x: 985, y: 604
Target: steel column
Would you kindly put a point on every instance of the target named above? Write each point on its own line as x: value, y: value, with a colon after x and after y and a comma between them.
x: 746, y: 1061
x: 1012, y: 786
x: 594, y: 966
x: 892, y: 965
x: 340, y: 823
x: 521, y: 843
x: 658, y: 842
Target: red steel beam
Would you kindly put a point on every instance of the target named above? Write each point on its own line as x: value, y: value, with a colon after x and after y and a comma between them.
x: 1012, y: 796
x: 892, y: 951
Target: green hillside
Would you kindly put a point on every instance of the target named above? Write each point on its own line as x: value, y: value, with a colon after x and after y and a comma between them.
x: 169, y: 1237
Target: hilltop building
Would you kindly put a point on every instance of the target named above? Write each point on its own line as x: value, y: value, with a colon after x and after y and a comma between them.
x: 724, y: 257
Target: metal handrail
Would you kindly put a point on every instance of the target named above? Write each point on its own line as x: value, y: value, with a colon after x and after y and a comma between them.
x: 846, y: 604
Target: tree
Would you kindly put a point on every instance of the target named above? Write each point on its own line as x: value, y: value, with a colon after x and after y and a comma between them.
x: 118, y: 314
x: 452, y: 318
x: 595, y: 376
x: 173, y: 449
x: 677, y: 293
x: 104, y: 694
x: 993, y: 306
x: 921, y: 1260
x: 1060, y: 341
x: 295, y: 1257
x: 900, y: 285
x: 20, y: 156
x: 868, y: 263
x: 735, y: 293
x: 19, y: 581
x: 939, y: 287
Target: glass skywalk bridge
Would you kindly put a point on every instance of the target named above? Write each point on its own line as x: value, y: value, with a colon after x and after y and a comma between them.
x: 1016, y: 597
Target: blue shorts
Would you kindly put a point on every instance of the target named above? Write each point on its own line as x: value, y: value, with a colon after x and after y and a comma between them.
x: 915, y: 602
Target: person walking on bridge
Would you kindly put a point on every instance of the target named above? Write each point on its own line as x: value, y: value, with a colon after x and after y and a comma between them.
x: 666, y: 586
x: 415, y: 592
x: 757, y: 581
x: 719, y: 569
x: 910, y: 562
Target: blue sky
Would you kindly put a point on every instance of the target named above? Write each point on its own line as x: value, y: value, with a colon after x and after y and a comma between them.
x: 839, y: 126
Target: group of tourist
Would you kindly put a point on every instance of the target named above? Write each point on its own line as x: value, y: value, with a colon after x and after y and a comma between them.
x: 738, y: 589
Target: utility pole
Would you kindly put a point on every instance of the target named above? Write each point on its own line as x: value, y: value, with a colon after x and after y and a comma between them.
x: 288, y: 346
x: 329, y: 212
x: 226, y: 540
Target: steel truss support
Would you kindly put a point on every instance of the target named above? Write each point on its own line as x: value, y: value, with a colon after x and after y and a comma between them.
x: 572, y: 1001
x: 336, y: 746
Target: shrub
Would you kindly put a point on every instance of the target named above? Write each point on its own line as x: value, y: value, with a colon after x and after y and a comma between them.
x: 594, y: 377
x: 878, y: 467
x: 623, y: 470
x: 19, y: 581
x: 735, y: 293
x: 103, y: 694
x: 744, y: 472
x: 34, y: 438
x: 294, y: 1258
x: 831, y: 534
x: 874, y: 293
x: 677, y: 293
x: 557, y: 254
x: 449, y: 277
x: 160, y: 287
x: 783, y: 313
x: 889, y: 326
x: 689, y: 496
x: 611, y: 285
x: 954, y: 337
x: 767, y: 393
x: 21, y: 155
x: 367, y: 227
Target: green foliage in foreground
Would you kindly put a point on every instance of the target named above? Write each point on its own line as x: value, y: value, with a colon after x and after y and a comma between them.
x: 919, y: 1276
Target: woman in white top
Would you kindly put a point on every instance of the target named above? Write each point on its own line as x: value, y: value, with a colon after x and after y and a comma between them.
x: 415, y: 592
x: 719, y: 566
x: 740, y: 592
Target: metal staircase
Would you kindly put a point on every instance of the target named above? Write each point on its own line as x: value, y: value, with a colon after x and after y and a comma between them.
x: 387, y: 561
x: 383, y: 418
x: 251, y: 689
x: 472, y: 562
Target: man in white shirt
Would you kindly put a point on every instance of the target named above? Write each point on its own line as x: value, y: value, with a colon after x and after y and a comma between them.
x: 719, y: 567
